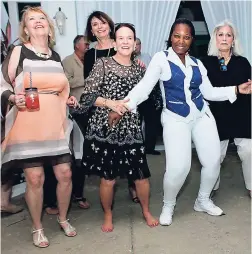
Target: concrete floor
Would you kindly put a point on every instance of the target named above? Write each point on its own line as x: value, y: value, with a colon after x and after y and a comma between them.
x: 190, y: 233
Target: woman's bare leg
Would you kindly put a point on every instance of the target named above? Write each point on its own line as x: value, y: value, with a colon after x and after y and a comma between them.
x: 143, y: 193
x: 34, y: 197
x: 64, y: 188
x: 106, y: 195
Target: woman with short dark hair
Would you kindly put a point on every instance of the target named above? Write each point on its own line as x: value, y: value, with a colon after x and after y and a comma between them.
x: 117, y: 151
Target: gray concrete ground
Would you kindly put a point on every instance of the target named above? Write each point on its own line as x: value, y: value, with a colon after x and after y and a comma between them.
x: 190, y: 233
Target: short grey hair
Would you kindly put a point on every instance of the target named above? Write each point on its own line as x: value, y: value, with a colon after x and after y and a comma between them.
x: 212, y: 47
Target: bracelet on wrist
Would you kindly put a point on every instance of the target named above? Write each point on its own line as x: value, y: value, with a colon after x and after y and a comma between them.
x: 104, y: 103
x: 237, y: 90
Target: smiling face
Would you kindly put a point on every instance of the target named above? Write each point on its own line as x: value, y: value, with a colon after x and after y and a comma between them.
x: 125, y: 41
x: 100, y: 28
x: 224, y: 38
x: 36, y: 23
x: 181, y: 39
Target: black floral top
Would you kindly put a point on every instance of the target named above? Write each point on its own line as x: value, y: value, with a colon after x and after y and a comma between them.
x: 110, y: 80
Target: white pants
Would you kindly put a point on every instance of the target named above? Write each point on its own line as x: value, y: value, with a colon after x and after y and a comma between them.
x: 178, y: 136
x: 244, y: 152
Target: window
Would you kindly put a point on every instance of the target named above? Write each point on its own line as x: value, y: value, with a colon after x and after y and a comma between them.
x: 192, y: 10
x: 22, y: 5
x: 6, y: 7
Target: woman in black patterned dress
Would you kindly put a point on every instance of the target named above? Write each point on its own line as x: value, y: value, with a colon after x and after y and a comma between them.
x: 115, y: 151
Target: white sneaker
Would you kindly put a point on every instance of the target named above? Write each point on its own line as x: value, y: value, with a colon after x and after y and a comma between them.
x: 207, y: 206
x: 165, y: 218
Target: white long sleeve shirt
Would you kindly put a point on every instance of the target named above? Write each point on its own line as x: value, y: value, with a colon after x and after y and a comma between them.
x: 159, y: 69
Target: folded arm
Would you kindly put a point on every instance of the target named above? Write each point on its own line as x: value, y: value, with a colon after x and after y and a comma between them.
x: 215, y: 93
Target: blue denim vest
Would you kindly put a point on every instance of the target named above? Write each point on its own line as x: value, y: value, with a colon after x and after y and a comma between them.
x: 174, y: 90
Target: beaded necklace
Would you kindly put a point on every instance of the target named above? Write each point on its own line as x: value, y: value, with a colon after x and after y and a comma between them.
x: 96, y: 56
x: 43, y: 55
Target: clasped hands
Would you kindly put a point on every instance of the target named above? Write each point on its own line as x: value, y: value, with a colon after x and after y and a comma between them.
x: 119, y: 108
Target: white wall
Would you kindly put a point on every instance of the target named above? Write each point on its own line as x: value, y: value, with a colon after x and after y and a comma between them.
x: 64, y: 43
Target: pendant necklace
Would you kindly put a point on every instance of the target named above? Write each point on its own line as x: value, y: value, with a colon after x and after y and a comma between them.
x: 42, y: 55
x: 107, y: 54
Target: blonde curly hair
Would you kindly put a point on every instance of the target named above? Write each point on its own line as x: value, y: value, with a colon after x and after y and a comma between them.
x: 22, y: 35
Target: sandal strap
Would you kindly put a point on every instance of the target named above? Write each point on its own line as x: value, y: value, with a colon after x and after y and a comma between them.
x: 62, y: 222
x: 80, y: 199
x: 68, y: 227
x: 37, y: 230
x: 41, y: 237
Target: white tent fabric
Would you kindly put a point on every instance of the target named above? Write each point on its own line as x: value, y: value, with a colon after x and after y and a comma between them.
x: 238, y: 12
x: 152, y: 19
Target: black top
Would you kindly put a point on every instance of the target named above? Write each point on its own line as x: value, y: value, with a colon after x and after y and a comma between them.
x: 89, y: 58
x: 233, y: 119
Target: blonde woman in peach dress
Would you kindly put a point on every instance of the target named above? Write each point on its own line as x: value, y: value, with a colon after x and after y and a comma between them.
x: 31, y: 139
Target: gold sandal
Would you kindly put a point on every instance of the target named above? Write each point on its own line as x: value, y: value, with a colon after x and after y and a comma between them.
x: 41, y: 238
x: 69, y: 230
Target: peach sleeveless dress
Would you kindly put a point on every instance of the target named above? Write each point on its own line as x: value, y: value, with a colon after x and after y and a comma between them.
x: 31, y: 138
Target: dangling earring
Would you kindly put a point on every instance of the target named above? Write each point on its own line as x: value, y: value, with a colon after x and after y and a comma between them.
x: 232, y: 44
x: 115, y: 49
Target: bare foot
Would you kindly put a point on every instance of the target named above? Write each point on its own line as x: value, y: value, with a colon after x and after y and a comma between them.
x: 84, y: 204
x: 107, y: 226
x: 150, y: 220
x: 52, y: 210
x: 11, y: 208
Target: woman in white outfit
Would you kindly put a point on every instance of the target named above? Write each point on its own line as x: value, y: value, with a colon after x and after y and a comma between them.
x: 226, y: 67
x: 185, y: 117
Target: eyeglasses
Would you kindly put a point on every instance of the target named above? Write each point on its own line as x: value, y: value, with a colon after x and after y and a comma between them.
x: 223, y: 66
